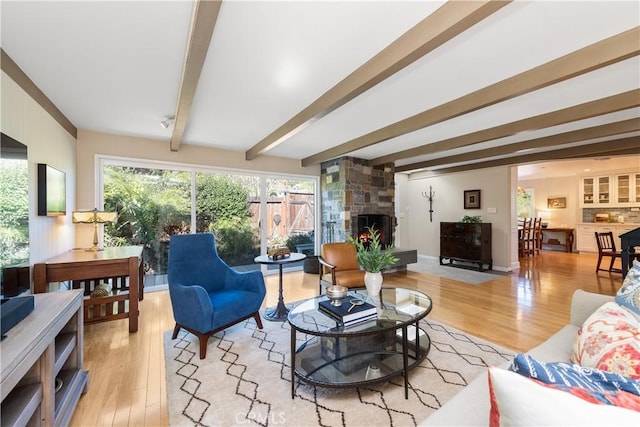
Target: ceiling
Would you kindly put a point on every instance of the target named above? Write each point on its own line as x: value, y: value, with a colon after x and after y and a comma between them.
x: 440, y: 86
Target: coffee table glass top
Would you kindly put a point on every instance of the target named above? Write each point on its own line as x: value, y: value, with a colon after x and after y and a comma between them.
x: 396, y: 306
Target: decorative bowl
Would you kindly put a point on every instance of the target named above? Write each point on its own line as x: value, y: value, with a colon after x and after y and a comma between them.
x: 336, y: 294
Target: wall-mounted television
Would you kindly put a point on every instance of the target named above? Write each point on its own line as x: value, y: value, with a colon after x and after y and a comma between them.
x: 52, y: 191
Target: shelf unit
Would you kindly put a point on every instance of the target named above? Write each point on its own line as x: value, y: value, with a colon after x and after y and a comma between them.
x: 45, y: 345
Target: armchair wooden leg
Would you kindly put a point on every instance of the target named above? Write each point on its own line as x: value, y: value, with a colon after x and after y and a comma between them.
x: 176, y: 329
x: 258, y: 320
x: 204, y: 340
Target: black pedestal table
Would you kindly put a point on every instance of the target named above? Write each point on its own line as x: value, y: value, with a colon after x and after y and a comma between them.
x: 280, y: 311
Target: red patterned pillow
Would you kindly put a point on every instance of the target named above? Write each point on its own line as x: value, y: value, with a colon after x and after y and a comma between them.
x: 609, y: 340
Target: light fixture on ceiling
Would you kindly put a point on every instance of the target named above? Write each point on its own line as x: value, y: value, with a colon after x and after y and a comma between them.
x: 167, y: 121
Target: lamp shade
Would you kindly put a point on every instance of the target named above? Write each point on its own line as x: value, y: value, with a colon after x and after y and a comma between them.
x: 545, y: 215
x: 94, y: 217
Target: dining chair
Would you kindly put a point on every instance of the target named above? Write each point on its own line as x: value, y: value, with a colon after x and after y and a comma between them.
x: 537, y: 235
x: 607, y: 248
x: 525, y: 241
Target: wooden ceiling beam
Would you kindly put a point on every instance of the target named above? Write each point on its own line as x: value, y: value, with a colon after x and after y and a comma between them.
x: 203, y: 22
x: 25, y: 83
x: 610, y: 104
x: 558, y: 140
x: 618, y: 147
x: 445, y: 23
x: 598, y: 55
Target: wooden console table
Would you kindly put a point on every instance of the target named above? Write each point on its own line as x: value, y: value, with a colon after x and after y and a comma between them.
x: 568, y: 239
x: 88, y: 269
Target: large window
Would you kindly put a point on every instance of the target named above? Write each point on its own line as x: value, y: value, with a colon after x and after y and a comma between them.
x: 224, y: 206
x: 152, y: 204
x: 14, y: 215
x: 525, y: 203
x: 290, y: 215
x: 247, y: 212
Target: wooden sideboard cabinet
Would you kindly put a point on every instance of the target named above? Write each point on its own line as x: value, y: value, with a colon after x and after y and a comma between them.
x: 42, y: 363
x: 466, y: 242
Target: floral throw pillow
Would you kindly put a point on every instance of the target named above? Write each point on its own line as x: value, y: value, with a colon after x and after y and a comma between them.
x: 629, y: 294
x: 609, y: 340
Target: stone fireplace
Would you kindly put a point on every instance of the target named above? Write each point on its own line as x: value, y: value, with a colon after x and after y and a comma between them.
x: 351, y: 188
x: 381, y: 223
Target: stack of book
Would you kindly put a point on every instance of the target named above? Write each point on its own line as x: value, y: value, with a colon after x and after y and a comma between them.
x: 347, y: 313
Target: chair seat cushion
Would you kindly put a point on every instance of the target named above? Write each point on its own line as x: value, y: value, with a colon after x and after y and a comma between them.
x: 229, y: 305
x: 347, y: 278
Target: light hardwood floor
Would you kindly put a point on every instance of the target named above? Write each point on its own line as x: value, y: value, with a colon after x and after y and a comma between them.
x: 518, y: 311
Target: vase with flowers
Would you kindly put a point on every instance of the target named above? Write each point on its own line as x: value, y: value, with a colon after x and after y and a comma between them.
x: 373, y: 258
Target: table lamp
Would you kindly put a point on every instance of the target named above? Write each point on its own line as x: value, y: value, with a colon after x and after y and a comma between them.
x: 545, y: 216
x: 94, y: 217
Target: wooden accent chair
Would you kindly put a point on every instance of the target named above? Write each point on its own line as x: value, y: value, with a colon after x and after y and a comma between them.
x: 206, y: 294
x: 607, y: 248
x: 339, y: 266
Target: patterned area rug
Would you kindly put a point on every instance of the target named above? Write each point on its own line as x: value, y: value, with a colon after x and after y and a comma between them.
x: 245, y: 380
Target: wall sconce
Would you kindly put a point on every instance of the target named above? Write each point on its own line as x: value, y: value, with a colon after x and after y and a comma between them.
x: 94, y: 217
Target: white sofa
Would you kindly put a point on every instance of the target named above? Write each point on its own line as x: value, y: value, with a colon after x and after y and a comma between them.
x: 471, y: 406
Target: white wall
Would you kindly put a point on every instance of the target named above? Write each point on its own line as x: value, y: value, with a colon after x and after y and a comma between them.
x: 47, y: 142
x: 496, y: 207
x: 401, y: 233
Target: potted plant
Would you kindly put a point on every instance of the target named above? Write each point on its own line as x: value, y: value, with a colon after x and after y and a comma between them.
x: 476, y: 219
x: 373, y: 258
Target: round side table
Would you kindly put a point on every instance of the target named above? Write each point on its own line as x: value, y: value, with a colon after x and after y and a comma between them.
x: 280, y: 311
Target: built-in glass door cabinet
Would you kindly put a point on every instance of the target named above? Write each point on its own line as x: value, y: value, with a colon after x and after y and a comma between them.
x: 627, y: 189
x: 596, y: 190
x: 604, y: 190
x: 588, y: 190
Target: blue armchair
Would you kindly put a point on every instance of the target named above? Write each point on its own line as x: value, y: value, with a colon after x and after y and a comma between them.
x: 207, y: 295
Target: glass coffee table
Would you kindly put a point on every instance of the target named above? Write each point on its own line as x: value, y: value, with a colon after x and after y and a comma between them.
x: 332, y: 355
